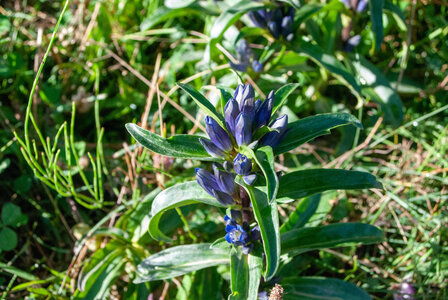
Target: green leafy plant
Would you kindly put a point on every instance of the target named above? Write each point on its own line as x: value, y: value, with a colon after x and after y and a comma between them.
x: 11, y: 217
x: 243, y: 143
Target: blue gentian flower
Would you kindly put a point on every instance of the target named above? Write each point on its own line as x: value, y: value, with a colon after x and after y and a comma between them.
x: 264, y: 111
x: 231, y: 112
x: 241, y: 235
x: 225, y: 180
x: 273, y: 138
x: 244, y: 95
x: 211, y: 148
x: 217, y: 135
x: 206, y: 180
x: 243, y: 129
x: 242, y: 164
x: 278, y: 21
x: 243, y: 116
x: 217, y: 185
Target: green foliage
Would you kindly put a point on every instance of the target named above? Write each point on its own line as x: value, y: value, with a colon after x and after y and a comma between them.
x: 11, y: 216
x: 89, y: 214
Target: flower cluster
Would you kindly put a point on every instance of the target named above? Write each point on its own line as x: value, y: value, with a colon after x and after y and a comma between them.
x: 243, y: 117
x: 246, y: 59
x: 241, y: 235
x: 278, y: 21
x: 246, y: 122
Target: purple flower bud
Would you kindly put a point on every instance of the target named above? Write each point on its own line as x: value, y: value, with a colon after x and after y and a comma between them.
x: 280, y: 123
x: 248, y: 108
x: 238, y: 94
x: 258, y: 104
x: 225, y: 180
x: 362, y: 4
x: 231, y: 112
x: 242, y: 93
x: 274, y: 29
x: 258, y: 18
x: 217, y: 135
x: 243, y: 48
x: 206, y: 180
x: 264, y: 112
x: 257, y: 66
x: 250, y: 179
x: 223, y: 198
x: 242, y: 164
x: 286, y: 26
x: 238, y: 67
x: 255, y: 234
x: 248, y: 94
x: 352, y: 43
x: 243, y: 130
x: 211, y: 148
x: 273, y: 138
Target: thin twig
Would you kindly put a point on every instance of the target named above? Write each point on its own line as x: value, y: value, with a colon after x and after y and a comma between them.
x: 339, y: 160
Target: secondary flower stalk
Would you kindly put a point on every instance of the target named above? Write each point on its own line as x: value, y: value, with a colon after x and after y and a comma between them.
x: 279, y: 21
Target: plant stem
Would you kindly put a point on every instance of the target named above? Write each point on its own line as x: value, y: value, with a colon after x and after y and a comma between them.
x: 245, y: 203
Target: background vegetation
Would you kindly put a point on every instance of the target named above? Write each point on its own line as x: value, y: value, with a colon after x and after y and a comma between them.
x: 73, y: 224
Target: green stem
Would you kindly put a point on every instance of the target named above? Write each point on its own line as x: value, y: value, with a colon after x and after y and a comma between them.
x: 181, y: 215
x: 36, y: 80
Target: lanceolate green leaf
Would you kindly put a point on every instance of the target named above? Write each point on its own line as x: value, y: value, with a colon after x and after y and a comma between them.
x: 180, y: 146
x: 305, y: 239
x: 100, y: 271
x: 206, y: 106
x: 303, y: 212
x: 255, y: 262
x: 304, y: 183
x: 318, y: 288
x: 329, y: 62
x: 239, y: 274
x: 266, y: 216
x: 381, y: 92
x: 281, y: 95
x: 265, y: 160
x: 176, y: 196
x: 376, y: 17
x: 176, y: 261
x: 245, y: 274
x: 399, y: 16
x: 306, y: 129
